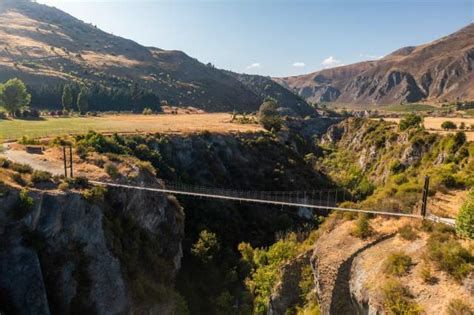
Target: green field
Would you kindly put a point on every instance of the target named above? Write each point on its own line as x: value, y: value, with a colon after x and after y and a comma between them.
x: 389, y: 108
x: 470, y: 112
x: 409, y: 108
x: 15, y: 129
x: 11, y: 129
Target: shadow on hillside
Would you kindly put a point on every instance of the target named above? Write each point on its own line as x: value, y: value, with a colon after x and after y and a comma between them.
x: 341, y: 301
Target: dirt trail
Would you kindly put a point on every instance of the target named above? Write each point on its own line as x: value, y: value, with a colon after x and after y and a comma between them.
x: 36, y: 161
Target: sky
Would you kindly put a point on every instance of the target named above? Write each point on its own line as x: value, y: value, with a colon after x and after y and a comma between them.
x: 276, y: 37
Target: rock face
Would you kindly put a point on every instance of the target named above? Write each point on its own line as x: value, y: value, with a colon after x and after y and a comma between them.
x: 59, y: 257
x: 437, y: 71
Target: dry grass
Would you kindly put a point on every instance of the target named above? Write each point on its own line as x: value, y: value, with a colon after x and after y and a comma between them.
x: 433, y: 124
x: 181, y: 124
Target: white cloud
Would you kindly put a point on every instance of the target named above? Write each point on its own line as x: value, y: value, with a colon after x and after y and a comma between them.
x: 299, y: 64
x: 371, y: 57
x: 255, y: 65
x: 330, y: 62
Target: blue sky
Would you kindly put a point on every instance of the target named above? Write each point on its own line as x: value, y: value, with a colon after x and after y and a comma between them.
x: 276, y: 38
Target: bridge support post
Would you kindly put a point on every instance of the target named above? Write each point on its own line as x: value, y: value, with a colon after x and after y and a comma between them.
x: 65, y: 162
x: 425, y: 196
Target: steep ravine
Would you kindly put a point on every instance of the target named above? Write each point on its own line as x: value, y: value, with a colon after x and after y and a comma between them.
x: 72, y: 256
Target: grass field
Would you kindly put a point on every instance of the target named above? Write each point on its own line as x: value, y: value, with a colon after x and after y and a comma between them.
x: 387, y: 108
x: 433, y: 124
x: 409, y: 108
x: 50, y: 127
x: 470, y: 112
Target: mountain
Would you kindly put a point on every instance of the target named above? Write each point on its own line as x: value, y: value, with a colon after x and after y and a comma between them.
x: 438, y: 71
x: 47, y: 48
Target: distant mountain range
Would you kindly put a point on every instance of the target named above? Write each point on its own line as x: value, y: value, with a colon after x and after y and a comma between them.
x: 47, y: 48
x: 438, y: 71
x: 44, y: 46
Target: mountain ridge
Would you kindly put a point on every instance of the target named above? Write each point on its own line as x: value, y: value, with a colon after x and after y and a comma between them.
x: 43, y: 45
x: 437, y: 71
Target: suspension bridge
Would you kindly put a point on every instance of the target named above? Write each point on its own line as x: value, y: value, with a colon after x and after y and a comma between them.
x: 328, y: 199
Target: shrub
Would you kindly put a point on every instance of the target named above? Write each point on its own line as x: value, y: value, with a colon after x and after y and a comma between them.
x: 17, y: 178
x: 458, y: 307
x: 410, y: 121
x: 448, y: 125
x: 79, y: 182
x: 95, y: 194
x: 408, y: 233
x: 426, y: 275
x: 147, y: 111
x: 41, y: 176
x: 268, y: 115
x: 112, y: 170
x: 63, y: 186
x: 23, y: 205
x: 206, y: 246
x: 449, y: 255
x: 362, y: 228
x: 398, y: 264
x: 22, y: 168
x: 465, y: 218
x: 397, y: 299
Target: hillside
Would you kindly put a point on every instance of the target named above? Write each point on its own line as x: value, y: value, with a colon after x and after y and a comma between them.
x: 46, y: 48
x: 438, y: 71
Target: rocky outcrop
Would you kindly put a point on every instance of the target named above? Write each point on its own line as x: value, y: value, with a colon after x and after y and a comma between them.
x: 60, y: 257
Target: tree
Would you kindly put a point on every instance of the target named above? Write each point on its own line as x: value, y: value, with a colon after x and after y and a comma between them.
x: 411, y: 120
x: 465, y: 218
x: 14, y: 95
x: 448, y: 125
x: 82, y: 102
x: 462, y: 126
x: 268, y: 115
x: 206, y: 246
x: 67, y: 98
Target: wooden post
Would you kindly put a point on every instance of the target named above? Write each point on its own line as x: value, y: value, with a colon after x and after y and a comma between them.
x: 425, y: 196
x: 65, y: 161
x: 70, y: 161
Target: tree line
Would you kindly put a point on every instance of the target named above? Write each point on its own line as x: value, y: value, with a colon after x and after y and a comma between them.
x: 16, y: 97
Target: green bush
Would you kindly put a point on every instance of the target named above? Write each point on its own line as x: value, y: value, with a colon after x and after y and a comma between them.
x: 265, y: 267
x: 449, y: 255
x: 458, y: 307
x: 22, y: 168
x: 18, y: 178
x: 465, y: 218
x: 95, y: 194
x: 206, y: 246
x: 112, y: 170
x: 448, y: 125
x: 407, y: 232
x: 411, y: 120
x: 23, y: 205
x: 426, y: 274
x: 398, y: 264
x: 362, y: 228
x: 397, y: 299
x: 41, y: 177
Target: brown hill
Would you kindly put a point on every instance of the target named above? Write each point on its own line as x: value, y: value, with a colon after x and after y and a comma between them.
x: 438, y: 71
x: 45, y: 46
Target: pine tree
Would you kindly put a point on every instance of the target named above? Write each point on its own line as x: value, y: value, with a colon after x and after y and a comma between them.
x: 82, y: 102
x: 67, y: 98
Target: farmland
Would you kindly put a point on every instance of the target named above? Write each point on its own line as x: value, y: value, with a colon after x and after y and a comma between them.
x: 433, y: 124
x: 50, y: 127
